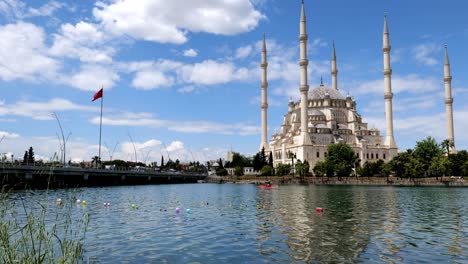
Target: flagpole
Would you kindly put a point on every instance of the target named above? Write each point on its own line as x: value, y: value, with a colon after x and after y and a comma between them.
x: 100, y: 127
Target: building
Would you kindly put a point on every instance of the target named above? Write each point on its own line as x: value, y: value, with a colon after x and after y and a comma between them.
x: 324, y: 115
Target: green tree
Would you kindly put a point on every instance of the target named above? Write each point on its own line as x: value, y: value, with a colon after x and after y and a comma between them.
x: 267, y: 170
x: 239, y: 171
x: 458, y: 160
x: 425, y: 151
x: 25, y: 157
x: 221, y: 172
x: 414, y: 168
x: 239, y: 160
x: 283, y: 169
x: 220, y: 162
x: 162, y: 161
x: 446, y: 145
x: 465, y: 168
x: 340, y: 159
x: 440, y: 166
x: 320, y: 169
x: 257, y: 163
x: 270, y: 159
x: 397, y: 164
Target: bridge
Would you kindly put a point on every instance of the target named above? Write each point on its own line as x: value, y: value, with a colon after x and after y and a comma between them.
x: 42, y: 177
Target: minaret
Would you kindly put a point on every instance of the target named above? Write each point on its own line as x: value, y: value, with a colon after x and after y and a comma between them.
x: 304, y: 88
x: 334, y: 69
x: 388, y: 95
x: 449, y: 101
x: 264, y: 105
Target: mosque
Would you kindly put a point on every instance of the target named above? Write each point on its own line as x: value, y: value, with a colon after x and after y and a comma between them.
x: 325, y: 116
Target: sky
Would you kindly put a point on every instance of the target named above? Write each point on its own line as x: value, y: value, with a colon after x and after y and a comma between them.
x: 182, y: 78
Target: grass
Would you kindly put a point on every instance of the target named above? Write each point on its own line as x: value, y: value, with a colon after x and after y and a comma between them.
x: 40, y: 232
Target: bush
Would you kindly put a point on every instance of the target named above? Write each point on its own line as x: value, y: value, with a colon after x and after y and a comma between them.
x: 267, y: 170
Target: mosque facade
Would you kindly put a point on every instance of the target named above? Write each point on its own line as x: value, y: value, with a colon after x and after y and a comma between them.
x: 324, y: 116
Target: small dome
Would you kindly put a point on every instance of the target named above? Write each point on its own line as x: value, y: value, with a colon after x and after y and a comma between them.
x: 321, y: 91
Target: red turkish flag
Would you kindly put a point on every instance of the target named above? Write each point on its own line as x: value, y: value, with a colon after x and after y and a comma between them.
x: 98, y: 95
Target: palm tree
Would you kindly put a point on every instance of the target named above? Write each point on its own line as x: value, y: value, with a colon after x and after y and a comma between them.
x: 446, y: 145
x: 95, y: 160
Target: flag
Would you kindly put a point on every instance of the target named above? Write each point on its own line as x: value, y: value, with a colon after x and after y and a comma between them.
x: 97, y: 95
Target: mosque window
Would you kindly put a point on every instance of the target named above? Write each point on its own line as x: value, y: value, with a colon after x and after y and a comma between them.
x: 367, y: 156
x: 318, y: 154
x: 384, y: 156
x: 377, y: 156
x: 372, y: 155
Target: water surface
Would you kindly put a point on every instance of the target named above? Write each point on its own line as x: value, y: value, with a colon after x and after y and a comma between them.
x: 231, y: 223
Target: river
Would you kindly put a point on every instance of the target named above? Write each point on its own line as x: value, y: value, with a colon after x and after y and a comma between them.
x: 230, y: 223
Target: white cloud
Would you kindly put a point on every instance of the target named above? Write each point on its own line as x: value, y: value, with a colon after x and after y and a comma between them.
x: 24, y: 42
x: 48, y: 9
x: 12, y: 8
x: 82, y: 41
x: 91, y: 77
x: 169, y: 21
x: 42, y: 110
x: 207, y: 127
x: 190, y: 53
x: 148, y: 80
x: 244, y: 52
x: 411, y: 83
x: 208, y: 72
x: 174, y: 146
x: 4, y: 134
x: 424, y: 53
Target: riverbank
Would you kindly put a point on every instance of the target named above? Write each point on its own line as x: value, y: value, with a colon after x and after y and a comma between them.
x: 364, y: 181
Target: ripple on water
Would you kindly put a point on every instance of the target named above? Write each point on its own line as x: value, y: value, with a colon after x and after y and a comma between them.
x: 244, y: 224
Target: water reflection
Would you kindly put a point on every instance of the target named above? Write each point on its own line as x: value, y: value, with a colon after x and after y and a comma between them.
x: 245, y: 224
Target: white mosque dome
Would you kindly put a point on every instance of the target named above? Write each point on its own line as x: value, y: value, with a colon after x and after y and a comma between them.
x: 321, y: 91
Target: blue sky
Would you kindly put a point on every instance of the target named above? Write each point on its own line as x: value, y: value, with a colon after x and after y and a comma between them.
x: 182, y: 77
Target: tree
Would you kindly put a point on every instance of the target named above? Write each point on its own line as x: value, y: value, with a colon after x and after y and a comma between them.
x: 283, y: 169
x: 340, y: 159
x: 267, y: 170
x: 319, y: 169
x: 31, y: 155
x: 465, y: 168
x: 96, y: 161
x: 270, y: 159
x: 397, y: 164
x: 221, y: 172
x: 239, y: 171
x: 446, y: 145
x: 162, y: 161
x: 263, y: 158
x: 414, y: 168
x: 257, y: 163
x: 239, y: 160
x: 440, y: 166
x: 25, y: 158
x: 458, y: 160
x: 425, y: 151
x: 220, y: 163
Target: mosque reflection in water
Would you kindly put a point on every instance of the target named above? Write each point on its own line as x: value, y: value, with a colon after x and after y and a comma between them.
x: 357, y: 224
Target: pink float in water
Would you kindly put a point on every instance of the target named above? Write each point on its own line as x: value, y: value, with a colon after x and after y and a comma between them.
x: 319, y: 210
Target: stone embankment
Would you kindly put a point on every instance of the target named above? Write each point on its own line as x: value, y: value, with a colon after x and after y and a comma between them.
x: 365, y: 181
